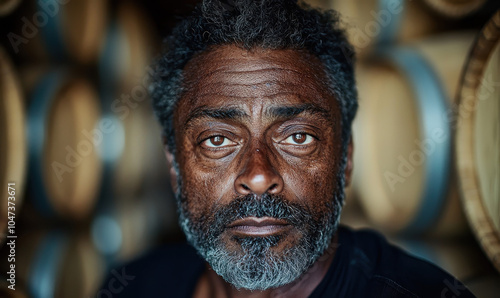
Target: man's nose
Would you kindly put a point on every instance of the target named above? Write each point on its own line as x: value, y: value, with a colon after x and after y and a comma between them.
x: 258, y: 177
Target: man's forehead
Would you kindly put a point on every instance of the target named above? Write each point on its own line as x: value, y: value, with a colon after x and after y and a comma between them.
x: 231, y: 72
x: 252, y: 59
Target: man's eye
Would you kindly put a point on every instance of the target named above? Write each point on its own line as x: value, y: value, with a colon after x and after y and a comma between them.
x: 217, y: 141
x: 299, y: 139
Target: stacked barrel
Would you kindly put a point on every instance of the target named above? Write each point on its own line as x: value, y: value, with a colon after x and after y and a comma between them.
x: 80, y: 144
x: 79, y: 141
x: 414, y: 60
x: 478, y: 139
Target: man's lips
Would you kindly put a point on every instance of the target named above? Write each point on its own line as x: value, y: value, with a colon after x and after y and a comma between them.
x: 258, y: 226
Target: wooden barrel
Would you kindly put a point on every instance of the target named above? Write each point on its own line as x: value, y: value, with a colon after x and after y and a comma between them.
x: 157, y: 168
x: 13, y: 139
x: 64, y: 165
x: 456, y: 8
x: 125, y: 227
x: 127, y: 50
x: 478, y: 139
x: 124, y: 152
x: 57, y: 264
x: 124, y: 94
x: 402, y: 137
x: 63, y: 30
x: 377, y: 22
x: 7, y: 6
x: 322, y: 4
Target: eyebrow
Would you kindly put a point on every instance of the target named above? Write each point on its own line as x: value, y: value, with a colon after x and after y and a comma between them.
x: 276, y: 112
x: 287, y: 112
x: 217, y: 113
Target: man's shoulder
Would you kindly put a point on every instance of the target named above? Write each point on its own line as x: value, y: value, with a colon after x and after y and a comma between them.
x: 390, y: 270
x: 164, y: 270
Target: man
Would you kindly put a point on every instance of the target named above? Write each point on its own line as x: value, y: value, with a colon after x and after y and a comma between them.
x: 256, y: 99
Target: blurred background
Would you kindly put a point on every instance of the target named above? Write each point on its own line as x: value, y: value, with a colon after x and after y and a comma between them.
x: 82, y: 152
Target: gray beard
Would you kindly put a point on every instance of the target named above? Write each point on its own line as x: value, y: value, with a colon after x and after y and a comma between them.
x: 256, y: 266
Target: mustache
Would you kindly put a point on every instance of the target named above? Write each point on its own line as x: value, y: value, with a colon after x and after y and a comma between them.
x: 266, y: 205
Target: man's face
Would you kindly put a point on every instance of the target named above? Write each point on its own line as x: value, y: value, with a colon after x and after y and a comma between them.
x: 260, y: 159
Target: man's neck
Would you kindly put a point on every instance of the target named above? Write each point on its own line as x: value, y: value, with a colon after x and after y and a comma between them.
x: 212, y: 285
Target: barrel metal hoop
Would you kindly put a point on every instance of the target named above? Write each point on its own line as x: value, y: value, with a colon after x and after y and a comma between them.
x: 112, y: 146
x: 432, y: 106
x: 388, y: 35
x: 52, y: 32
x: 110, y: 61
x: 38, y: 114
x: 44, y: 269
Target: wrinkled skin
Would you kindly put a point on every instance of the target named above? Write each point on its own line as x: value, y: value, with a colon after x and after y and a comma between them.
x: 255, y: 122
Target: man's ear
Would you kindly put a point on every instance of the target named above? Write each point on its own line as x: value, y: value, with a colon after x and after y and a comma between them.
x: 170, y: 164
x: 348, y: 167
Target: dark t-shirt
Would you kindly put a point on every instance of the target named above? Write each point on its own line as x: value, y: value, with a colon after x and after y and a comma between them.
x: 365, y: 265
